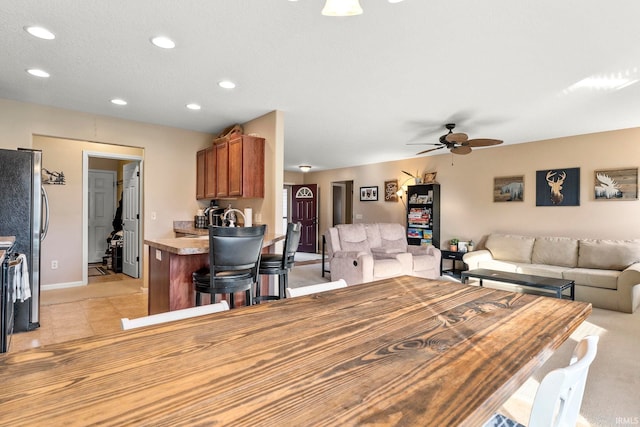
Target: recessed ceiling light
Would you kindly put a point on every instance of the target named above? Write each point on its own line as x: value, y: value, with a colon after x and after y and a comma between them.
x: 227, y: 84
x: 37, y: 72
x: 163, y: 42
x: 118, y: 101
x: 193, y: 106
x: 40, y: 32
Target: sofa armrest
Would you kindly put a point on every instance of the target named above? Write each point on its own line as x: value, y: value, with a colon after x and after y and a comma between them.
x: 473, y: 258
x: 354, y: 267
x: 629, y: 288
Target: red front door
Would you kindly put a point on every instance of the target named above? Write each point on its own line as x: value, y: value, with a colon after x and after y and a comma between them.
x: 304, y: 210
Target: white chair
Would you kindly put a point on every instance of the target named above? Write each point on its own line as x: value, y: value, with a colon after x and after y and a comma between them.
x: 559, y: 396
x: 312, y: 289
x: 170, y: 316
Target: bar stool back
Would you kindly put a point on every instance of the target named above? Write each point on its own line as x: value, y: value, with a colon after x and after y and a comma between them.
x: 234, y: 256
x: 280, y: 264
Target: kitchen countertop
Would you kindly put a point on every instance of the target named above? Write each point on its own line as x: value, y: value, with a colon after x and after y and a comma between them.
x: 186, y: 227
x: 198, y: 245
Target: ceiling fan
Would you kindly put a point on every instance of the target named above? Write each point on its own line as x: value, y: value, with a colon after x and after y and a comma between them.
x: 459, y: 143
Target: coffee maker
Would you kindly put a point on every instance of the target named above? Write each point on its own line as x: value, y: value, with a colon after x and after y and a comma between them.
x: 214, y: 214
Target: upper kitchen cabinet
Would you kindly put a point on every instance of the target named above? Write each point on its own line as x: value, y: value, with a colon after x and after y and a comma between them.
x: 240, y: 167
x: 206, y: 174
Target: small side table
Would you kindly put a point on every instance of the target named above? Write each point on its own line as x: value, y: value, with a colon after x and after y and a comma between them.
x: 454, y: 257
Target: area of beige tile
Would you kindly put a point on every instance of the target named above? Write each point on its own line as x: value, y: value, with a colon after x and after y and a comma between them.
x: 72, y: 313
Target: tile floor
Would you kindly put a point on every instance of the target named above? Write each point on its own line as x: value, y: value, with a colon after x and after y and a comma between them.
x: 67, y: 314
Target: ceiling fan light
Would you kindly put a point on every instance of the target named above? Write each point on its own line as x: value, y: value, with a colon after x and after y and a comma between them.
x: 342, y: 8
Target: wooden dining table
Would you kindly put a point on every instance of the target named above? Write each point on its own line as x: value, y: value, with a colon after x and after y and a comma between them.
x: 402, y: 351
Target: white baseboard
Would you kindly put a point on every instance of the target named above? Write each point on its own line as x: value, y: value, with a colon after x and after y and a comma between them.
x: 61, y: 286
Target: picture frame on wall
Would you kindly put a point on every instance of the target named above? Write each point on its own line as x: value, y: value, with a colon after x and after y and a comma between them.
x: 615, y: 184
x: 391, y: 190
x: 508, y: 188
x: 369, y: 194
x: 558, y: 187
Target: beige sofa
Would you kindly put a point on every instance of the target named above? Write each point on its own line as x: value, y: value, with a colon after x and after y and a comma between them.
x: 606, y: 272
x: 360, y: 253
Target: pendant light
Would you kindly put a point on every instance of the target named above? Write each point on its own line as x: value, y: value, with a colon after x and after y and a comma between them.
x: 342, y: 8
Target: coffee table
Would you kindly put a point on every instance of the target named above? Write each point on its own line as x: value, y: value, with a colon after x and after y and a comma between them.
x: 528, y: 280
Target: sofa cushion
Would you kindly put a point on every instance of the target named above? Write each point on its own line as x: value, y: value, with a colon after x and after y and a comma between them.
x: 373, y: 235
x: 496, y: 264
x: 605, y: 279
x: 510, y: 247
x: 392, y: 236
x: 561, y: 251
x: 544, y: 270
x: 608, y: 254
x: 353, y: 238
x: 387, y: 268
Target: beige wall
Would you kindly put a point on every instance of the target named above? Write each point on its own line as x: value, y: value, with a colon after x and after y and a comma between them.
x: 64, y: 239
x: 169, y: 174
x: 468, y: 210
x: 265, y: 211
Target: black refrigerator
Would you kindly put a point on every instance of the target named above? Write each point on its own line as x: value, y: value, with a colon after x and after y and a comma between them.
x: 24, y: 214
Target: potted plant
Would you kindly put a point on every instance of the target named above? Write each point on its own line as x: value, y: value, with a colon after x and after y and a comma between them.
x: 470, y: 245
x: 453, y: 244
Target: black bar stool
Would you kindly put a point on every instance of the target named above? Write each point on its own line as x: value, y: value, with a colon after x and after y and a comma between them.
x: 280, y: 264
x: 234, y: 256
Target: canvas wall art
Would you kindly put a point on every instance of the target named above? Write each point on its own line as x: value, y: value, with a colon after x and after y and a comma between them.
x: 508, y: 189
x: 616, y: 184
x: 558, y: 187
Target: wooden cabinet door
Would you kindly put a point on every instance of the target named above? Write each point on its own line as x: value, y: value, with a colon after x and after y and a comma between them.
x: 201, y: 158
x: 210, y: 174
x: 235, y: 167
x: 253, y: 171
x: 222, y: 169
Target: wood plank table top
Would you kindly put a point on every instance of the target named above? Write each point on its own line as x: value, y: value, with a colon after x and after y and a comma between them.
x: 402, y: 351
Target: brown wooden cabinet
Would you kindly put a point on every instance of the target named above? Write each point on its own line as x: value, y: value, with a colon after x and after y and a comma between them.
x: 210, y: 175
x: 231, y: 168
x: 206, y: 174
x: 240, y: 167
x: 222, y: 168
x: 201, y: 158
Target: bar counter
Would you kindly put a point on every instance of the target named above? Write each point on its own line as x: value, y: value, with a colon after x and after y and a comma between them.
x: 171, y: 263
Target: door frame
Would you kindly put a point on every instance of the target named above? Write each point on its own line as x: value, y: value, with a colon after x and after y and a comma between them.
x: 85, y: 203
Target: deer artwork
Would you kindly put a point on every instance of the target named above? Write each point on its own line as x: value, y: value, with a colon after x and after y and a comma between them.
x: 556, y: 186
x: 608, y: 188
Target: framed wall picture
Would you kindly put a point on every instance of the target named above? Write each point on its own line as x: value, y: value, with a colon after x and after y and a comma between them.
x: 558, y: 187
x: 368, y: 194
x: 508, y: 188
x: 616, y: 184
x: 391, y: 191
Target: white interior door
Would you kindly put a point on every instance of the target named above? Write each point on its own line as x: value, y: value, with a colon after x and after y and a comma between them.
x: 131, y: 219
x: 101, y: 212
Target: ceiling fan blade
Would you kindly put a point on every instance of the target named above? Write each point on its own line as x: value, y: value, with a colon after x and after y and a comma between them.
x: 423, y: 143
x: 431, y: 149
x: 463, y: 149
x: 458, y: 138
x: 482, y: 142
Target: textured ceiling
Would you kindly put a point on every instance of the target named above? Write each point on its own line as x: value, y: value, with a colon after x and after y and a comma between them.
x: 353, y: 90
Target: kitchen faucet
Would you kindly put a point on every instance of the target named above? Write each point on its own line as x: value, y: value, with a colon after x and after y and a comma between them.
x: 231, y: 221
